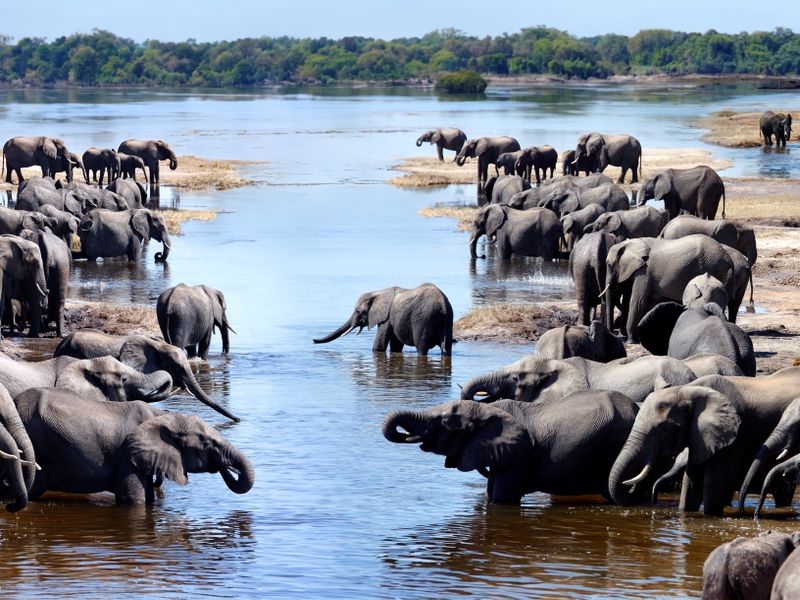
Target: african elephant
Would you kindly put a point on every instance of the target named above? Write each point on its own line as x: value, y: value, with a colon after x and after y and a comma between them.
x: 744, y: 568
x: 15, y: 221
x: 574, y: 223
x: 506, y: 161
x: 134, y: 192
x: 642, y: 272
x: 564, y: 199
x: 587, y: 265
x: 571, y: 165
x: 66, y: 164
x: 622, y: 151
x: 17, y: 467
x: 445, y: 138
x: 56, y: 261
x: 536, y: 159
x: 696, y: 190
x: 42, y: 151
x: 151, y: 152
x: 421, y: 317
x: 711, y: 364
x: 731, y: 233
x: 189, y: 315
x: 62, y: 223
x: 786, y: 585
x: 106, y: 233
x: 532, y: 197
x: 86, y: 446
x: 128, y: 165
x: 22, y: 271
x: 499, y: 190
x: 532, y: 232
x: 777, y: 124
x: 643, y: 221
x: 564, y: 446
x: 486, y: 150
x: 103, y: 161
x: 40, y: 193
x: 722, y: 420
x: 594, y: 342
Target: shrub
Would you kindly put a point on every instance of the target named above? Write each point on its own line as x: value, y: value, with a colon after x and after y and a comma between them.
x: 461, y: 82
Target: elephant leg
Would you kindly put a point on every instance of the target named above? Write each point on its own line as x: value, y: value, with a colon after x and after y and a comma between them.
x: 134, y: 487
x: 382, y: 338
x: 204, y: 345
x: 783, y: 492
x: 395, y: 345
x: 133, y: 248
x: 20, y: 178
x: 191, y: 351
x: 504, y: 488
x: 439, y: 152
x: 717, y: 485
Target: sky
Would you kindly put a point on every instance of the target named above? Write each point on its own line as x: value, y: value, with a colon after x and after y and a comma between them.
x: 203, y: 20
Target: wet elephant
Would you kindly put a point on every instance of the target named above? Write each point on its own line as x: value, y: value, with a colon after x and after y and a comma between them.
x: 777, y: 124
x: 642, y: 221
x: 106, y: 233
x: 587, y: 265
x: 533, y: 232
x: 576, y: 222
x: 731, y: 233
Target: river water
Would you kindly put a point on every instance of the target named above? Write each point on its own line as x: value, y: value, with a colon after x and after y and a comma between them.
x: 336, y: 510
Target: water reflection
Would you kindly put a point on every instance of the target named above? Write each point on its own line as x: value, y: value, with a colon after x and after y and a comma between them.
x: 520, y: 279
x: 408, y: 371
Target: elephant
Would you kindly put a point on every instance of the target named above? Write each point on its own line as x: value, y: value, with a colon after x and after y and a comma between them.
x: 594, y: 342
x: 151, y: 152
x: 106, y: 233
x: 39, y: 193
x: 643, y: 221
x: 777, y: 124
x: 128, y: 165
x: 22, y: 271
x: 642, y: 272
x: 622, y: 151
x: 742, y: 276
x: 111, y: 201
x: 144, y: 354
x: 189, y: 315
x: 66, y: 164
x: 103, y: 161
x: 567, y: 199
x: 56, y: 261
x: 574, y: 223
x: 722, y: 420
x: 526, y: 199
x: 563, y: 446
x: 532, y: 197
x: 707, y: 363
x: 445, y: 138
x: 88, y: 196
x: 132, y: 191
x: 587, y: 266
x: 42, y: 151
x: 16, y: 221
x: 421, y: 317
x: 696, y: 190
x: 745, y: 568
x: 18, y: 464
x: 507, y: 161
x: 486, y: 150
x: 571, y: 165
x: 62, y: 223
x: 783, y: 474
x: 499, y: 190
x: 86, y: 446
x: 536, y: 159
x: 532, y: 232
x: 731, y: 233
x: 786, y: 585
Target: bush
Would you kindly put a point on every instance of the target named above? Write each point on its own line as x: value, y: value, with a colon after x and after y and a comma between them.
x: 461, y: 82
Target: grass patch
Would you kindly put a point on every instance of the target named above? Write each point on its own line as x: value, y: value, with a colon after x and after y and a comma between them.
x: 732, y: 129
x: 515, y: 323
x: 175, y: 218
x: 464, y: 215
x: 110, y: 318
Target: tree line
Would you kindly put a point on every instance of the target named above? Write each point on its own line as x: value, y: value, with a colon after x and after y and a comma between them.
x: 102, y: 58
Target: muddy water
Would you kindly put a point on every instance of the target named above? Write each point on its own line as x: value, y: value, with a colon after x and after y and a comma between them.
x: 336, y: 510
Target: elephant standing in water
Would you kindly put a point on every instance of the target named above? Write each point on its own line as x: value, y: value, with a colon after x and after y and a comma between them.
x: 22, y: 274
x: 151, y: 152
x: 17, y: 460
x: 777, y: 124
x: 189, y: 315
x: 622, y: 151
x: 106, y: 233
x: 421, y: 317
x: 594, y: 342
x: 445, y: 138
x: 532, y: 232
x: 86, y: 446
x: 587, y: 265
x: 697, y: 191
x: 42, y: 151
x: 486, y: 150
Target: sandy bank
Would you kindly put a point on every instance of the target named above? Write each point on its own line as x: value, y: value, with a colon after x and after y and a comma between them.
x: 735, y: 129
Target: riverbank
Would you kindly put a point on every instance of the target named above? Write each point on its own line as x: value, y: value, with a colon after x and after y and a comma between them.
x: 735, y: 129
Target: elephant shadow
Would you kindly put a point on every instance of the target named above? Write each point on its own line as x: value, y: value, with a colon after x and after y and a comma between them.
x: 402, y: 375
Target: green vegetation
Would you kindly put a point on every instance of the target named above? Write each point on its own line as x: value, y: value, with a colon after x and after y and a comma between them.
x: 461, y: 82
x: 101, y: 58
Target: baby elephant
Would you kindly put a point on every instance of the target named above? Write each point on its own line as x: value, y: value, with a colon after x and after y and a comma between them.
x: 189, y: 315
x: 594, y: 342
x: 421, y: 317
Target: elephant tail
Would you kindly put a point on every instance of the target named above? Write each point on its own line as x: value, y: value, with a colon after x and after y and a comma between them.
x: 723, y: 200
x: 640, y: 164
x: 751, y: 288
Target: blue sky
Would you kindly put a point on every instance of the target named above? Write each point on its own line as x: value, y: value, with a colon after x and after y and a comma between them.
x: 178, y: 20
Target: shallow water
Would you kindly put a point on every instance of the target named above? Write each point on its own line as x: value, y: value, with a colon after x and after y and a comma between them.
x: 336, y: 510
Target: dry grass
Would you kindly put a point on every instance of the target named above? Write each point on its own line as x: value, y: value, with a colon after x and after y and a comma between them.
x: 732, y: 129
x: 174, y: 218
x: 513, y: 323
x: 464, y: 215
x: 111, y: 318
x: 769, y: 201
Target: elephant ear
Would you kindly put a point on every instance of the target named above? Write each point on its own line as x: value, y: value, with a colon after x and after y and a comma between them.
x: 217, y: 305
x: 154, y: 448
x: 570, y: 204
x: 435, y: 137
x: 494, y: 220
x: 714, y: 423
x: 138, y: 355
x: 499, y: 440
x: 140, y: 223
x: 48, y: 147
x: 655, y: 327
x: 380, y: 307
x: 662, y: 186
x: 595, y: 146
x: 152, y: 149
x: 481, y: 147
x: 613, y: 224
x: 631, y: 260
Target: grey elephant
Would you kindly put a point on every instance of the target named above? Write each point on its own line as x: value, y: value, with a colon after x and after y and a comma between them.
x: 106, y: 233
x: 564, y: 199
x: 144, y: 354
x: 445, y: 138
x: 587, y: 266
x: 499, y: 190
x: 642, y: 272
x: 486, y: 150
x: 537, y: 160
x: 421, y: 317
x: 128, y: 165
x: 643, y: 221
x: 86, y: 446
x: 781, y: 475
x: 507, y: 162
x: 563, y: 446
x: 41, y: 151
x: 22, y: 272
x: 621, y: 150
x: 56, y: 262
x: 697, y: 191
x: 151, y: 152
x: 707, y: 363
x: 40, y: 193
x: 532, y: 232
x: 133, y: 191
x: 62, y: 223
x: 594, y: 342
x: 87, y: 195
x: 66, y: 164
x: 786, y: 585
x: 104, y: 161
x: 534, y: 196
x: 777, y: 124
x: 575, y: 223
x: 189, y: 315
x: 745, y: 568
x: 571, y: 165
x: 17, y: 458
x: 112, y: 201
x: 731, y: 233
x: 16, y: 221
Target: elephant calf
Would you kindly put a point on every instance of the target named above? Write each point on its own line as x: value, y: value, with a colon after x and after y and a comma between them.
x: 189, y: 315
x: 594, y: 342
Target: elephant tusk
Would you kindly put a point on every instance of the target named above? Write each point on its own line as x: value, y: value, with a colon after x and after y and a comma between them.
x: 461, y: 387
x: 231, y: 328
x: 603, y: 293
x: 41, y: 291
x: 360, y: 329
x: 8, y: 456
x: 639, y: 477
x: 783, y: 454
x: 471, y: 239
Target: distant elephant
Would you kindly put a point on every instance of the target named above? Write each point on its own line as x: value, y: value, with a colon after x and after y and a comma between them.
x: 42, y: 151
x: 421, y: 317
x: 564, y: 446
x: 151, y: 152
x: 777, y: 124
x: 533, y: 232
x: 506, y: 161
x: 56, y: 261
x: 731, y: 233
x: 189, y: 315
x: 786, y: 585
x: 576, y: 222
x: 21, y: 269
x: 128, y: 165
x: 536, y: 159
x: 745, y: 568
x: 587, y: 265
x: 642, y: 272
x: 63, y: 224
x: 499, y: 190
x: 86, y: 446
x: 133, y: 191
x: 486, y: 150
x: 445, y: 138
x: 594, y: 342
x: 106, y: 233
x: 567, y: 199
x: 17, y: 458
x: 622, y: 151
x: 643, y: 221
x: 104, y: 161
x: 571, y: 165
x: 697, y: 191
x: 142, y: 353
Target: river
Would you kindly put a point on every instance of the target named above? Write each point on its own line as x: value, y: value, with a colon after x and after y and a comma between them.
x: 336, y: 511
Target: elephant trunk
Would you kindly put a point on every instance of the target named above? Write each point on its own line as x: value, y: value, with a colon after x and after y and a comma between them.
x: 188, y: 381
x: 460, y: 160
x: 150, y: 387
x: 243, y: 476
x: 419, y: 141
x: 13, y: 424
x: 493, y: 384
x: 768, y: 451
x: 348, y: 326
x: 18, y: 488
x: 165, y: 239
x: 785, y: 469
x: 629, y: 463
x: 414, y: 423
